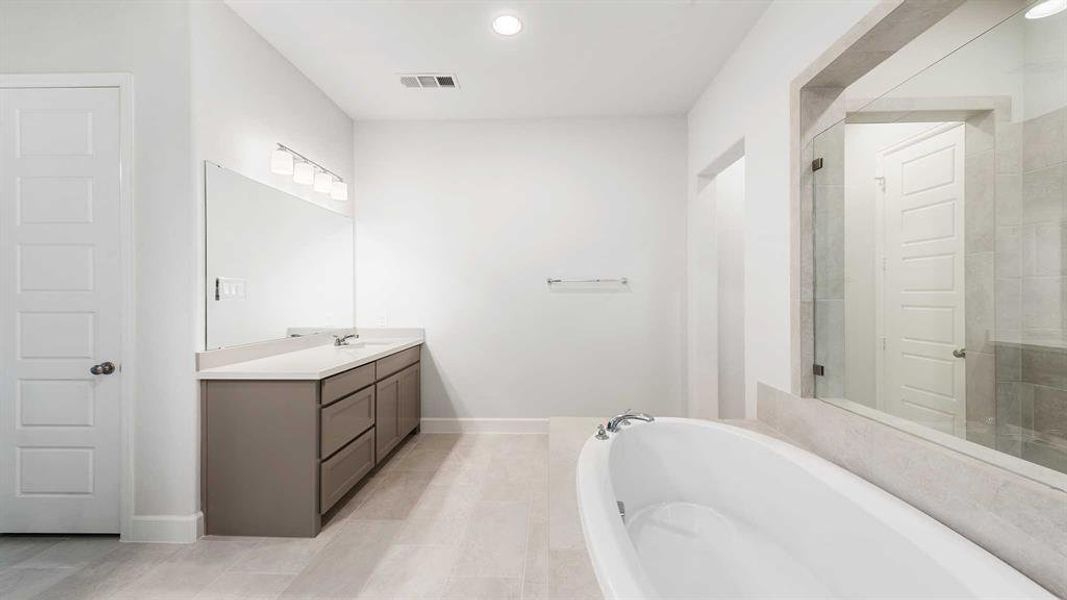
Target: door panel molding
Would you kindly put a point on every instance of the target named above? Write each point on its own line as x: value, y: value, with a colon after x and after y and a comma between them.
x: 920, y: 283
x: 124, y: 84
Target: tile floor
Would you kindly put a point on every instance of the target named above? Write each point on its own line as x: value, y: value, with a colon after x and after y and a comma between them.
x: 448, y: 516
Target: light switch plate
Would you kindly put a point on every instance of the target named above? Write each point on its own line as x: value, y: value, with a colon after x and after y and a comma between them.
x: 229, y: 288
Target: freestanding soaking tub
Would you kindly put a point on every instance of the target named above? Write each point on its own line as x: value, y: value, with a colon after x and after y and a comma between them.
x: 716, y: 511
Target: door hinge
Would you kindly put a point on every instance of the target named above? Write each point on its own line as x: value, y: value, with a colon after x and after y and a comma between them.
x: 217, y: 296
x: 816, y: 164
x: 883, y: 342
x: 818, y: 370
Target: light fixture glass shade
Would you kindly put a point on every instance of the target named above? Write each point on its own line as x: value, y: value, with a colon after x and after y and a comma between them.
x: 281, y: 162
x: 339, y: 191
x: 507, y: 25
x: 304, y: 173
x: 1046, y: 9
x: 323, y: 182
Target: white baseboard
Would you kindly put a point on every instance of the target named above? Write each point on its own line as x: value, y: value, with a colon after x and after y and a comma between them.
x: 164, y: 529
x: 432, y: 425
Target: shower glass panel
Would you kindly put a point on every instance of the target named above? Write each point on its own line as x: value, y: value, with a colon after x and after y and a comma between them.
x: 940, y: 246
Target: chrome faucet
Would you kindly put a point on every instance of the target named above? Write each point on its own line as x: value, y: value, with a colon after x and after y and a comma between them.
x: 626, y: 417
x: 342, y: 340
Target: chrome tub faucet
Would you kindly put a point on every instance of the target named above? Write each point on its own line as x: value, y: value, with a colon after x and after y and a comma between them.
x: 617, y: 421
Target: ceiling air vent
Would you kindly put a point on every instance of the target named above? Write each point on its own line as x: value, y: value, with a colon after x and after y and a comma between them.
x: 428, y: 80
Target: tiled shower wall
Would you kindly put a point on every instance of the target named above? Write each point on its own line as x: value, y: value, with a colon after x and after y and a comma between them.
x: 1031, y: 284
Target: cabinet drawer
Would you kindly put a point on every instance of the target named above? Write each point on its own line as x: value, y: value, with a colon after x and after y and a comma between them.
x: 343, y: 420
x: 343, y: 470
x: 343, y: 384
x: 391, y: 364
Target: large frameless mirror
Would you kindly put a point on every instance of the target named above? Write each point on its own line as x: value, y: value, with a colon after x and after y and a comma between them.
x: 277, y: 265
x: 940, y: 247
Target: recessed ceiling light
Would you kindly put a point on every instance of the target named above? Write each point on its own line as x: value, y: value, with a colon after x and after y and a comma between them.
x: 1046, y: 9
x: 510, y: 24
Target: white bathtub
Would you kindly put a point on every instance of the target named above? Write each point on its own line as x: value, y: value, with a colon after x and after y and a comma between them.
x: 717, y: 511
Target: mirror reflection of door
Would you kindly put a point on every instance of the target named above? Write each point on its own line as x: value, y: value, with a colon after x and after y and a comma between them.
x: 922, y: 279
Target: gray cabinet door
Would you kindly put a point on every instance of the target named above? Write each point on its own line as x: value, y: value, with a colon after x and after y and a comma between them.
x: 409, y: 401
x: 386, y: 419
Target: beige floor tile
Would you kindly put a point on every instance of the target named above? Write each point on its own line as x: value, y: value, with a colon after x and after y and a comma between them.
x: 512, y: 483
x: 418, y: 528
x: 440, y: 440
x: 495, y: 542
x: 111, y: 575
x: 534, y: 590
x: 74, y: 552
x: 438, y: 501
x: 241, y: 586
x: 188, y: 571
x: 424, y: 459
x: 281, y: 555
x: 536, y: 566
x: 567, y: 436
x: 461, y: 472
x: 484, y: 588
x: 570, y: 576
x: 17, y: 548
x: 439, y: 531
x: 394, y: 496
x: 346, y: 563
x: 17, y: 584
x: 539, y: 504
x: 411, y: 572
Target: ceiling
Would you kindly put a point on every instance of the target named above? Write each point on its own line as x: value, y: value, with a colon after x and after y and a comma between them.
x: 572, y: 58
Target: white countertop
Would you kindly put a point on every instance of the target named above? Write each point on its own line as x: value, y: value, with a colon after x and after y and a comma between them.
x: 312, y: 363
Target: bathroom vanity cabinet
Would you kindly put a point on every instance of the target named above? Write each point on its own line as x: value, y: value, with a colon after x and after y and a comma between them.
x: 278, y: 454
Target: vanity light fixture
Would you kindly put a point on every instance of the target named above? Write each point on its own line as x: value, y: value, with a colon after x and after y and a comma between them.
x: 1046, y: 9
x: 304, y: 173
x: 339, y: 191
x: 507, y: 25
x: 281, y: 162
x: 323, y: 182
x: 286, y: 161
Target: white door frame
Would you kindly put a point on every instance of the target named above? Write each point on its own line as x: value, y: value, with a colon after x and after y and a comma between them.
x: 936, y: 128
x: 124, y: 83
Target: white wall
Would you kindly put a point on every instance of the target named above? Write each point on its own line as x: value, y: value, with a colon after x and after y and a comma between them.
x: 749, y: 100
x: 246, y: 97
x: 702, y: 305
x: 460, y: 222
x: 151, y: 41
x: 730, y: 288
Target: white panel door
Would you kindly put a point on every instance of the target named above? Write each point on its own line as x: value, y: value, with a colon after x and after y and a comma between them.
x: 60, y: 310
x: 922, y: 280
